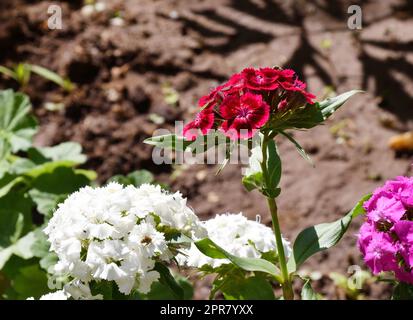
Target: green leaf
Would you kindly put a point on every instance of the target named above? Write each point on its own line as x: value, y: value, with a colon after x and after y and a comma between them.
x: 304, y: 118
x: 330, y: 105
x: 160, y: 291
x: 11, y: 227
x: 48, y: 168
x: 403, y: 291
x: 168, y: 280
x: 52, y: 76
x: 5, y: 146
x: 15, y: 222
x: 358, y: 209
x: 41, y: 246
x: 140, y: 177
x: 247, y: 288
x: 22, y: 248
x: 253, y: 178
x: 8, y: 182
x: 30, y: 281
x: 89, y: 174
x: 46, y: 202
x: 210, y: 249
x: 169, y: 141
x: 253, y: 181
x: 8, y: 72
x: 19, y: 165
x: 307, y: 292
x: 23, y: 74
x: 135, y: 178
x: 47, y: 189
x: 51, y: 182
x: 70, y: 151
x: 17, y: 127
x: 200, y: 145
x: 274, y: 170
x: 311, y: 114
x: 321, y: 237
x: 299, y: 148
x: 48, y: 262
x: 104, y: 288
x: 23, y: 134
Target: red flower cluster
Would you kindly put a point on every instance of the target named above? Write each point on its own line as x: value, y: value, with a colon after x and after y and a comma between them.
x: 245, y: 103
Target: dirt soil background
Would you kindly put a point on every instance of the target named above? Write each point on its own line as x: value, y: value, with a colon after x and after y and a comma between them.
x: 179, y: 49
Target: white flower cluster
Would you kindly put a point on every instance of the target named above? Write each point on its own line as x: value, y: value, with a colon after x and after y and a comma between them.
x: 57, y: 295
x: 237, y: 235
x: 117, y: 233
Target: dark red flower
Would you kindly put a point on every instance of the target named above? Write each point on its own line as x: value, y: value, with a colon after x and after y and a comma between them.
x: 209, y: 98
x: 235, y: 83
x: 286, y: 78
x: 288, y: 83
x: 204, y: 121
x: 262, y: 79
x: 300, y: 87
x: 243, y: 115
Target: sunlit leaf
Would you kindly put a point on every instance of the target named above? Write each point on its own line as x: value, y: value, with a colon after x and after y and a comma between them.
x: 17, y: 127
x: 321, y: 237
x: 211, y: 249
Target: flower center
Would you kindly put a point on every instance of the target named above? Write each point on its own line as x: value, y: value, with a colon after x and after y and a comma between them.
x: 259, y: 78
x: 243, y: 112
x: 146, y: 240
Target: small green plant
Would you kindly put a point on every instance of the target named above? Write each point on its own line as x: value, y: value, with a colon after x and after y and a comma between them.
x: 33, y: 180
x: 352, y: 286
x: 22, y: 74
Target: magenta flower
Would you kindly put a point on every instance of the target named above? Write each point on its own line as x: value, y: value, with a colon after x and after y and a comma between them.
x: 365, y: 236
x: 386, y: 238
x: 381, y: 253
x: 404, y: 231
x: 386, y: 209
x: 204, y: 121
x: 286, y: 78
x: 262, y: 79
x: 243, y: 115
x: 235, y: 83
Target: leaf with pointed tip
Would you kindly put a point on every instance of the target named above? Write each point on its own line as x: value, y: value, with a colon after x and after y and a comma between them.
x: 211, y: 249
x: 66, y: 84
x: 299, y: 148
x: 169, y: 141
x: 198, y: 146
x: 312, y: 114
x: 70, y: 151
x: 307, y: 292
x: 168, y: 280
x: 17, y: 127
x: 321, y: 237
x: 135, y: 178
x: 330, y: 105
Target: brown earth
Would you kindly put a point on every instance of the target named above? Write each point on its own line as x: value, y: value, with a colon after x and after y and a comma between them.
x: 123, y: 73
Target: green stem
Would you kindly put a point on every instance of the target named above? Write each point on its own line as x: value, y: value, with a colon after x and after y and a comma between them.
x: 286, y: 285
